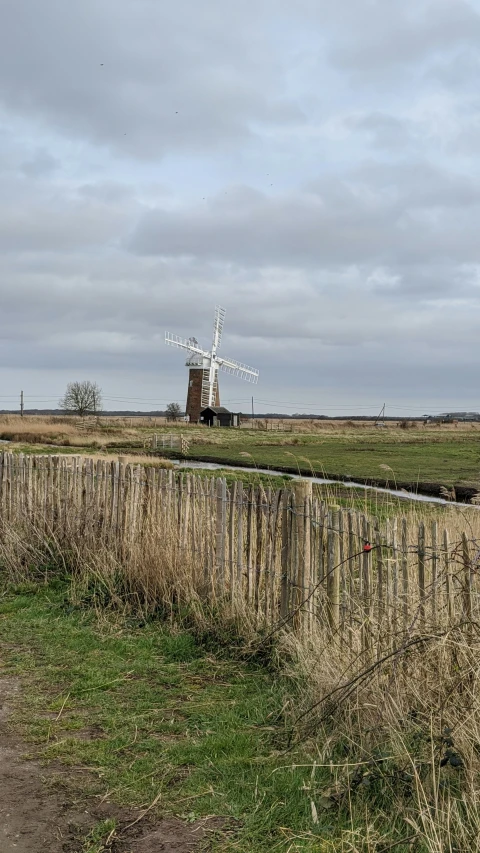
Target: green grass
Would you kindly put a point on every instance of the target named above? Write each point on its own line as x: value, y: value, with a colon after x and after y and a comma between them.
x: 440, y: 455
x: 48, y: 450
x: 369, y: 501
x: 98, y: 839
x: 150, y: 712
x: 414, y: 457
x: 157, y: 716
x: 248, y: 478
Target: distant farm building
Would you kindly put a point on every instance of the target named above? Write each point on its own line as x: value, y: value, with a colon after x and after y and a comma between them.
x: 219, y: 416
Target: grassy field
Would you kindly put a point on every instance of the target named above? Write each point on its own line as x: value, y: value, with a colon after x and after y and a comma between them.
x: 154, y: 714
x: 415, y: 456
x: 444, y: 455
x: 160, y: 717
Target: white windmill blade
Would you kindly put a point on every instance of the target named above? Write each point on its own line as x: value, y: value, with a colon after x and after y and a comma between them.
x: 236, y: 368
x: 182, y: 343
x: 218, y: 327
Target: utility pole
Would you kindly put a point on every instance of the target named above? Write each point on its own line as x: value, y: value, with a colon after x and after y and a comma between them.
x: 381, y: 418
x: 21, y: 404
x: 253, y: 416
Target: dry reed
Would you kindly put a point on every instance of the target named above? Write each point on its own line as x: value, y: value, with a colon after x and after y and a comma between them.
x: 398, y: 724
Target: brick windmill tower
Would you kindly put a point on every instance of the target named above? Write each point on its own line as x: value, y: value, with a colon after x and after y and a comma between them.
x: 204, y: 366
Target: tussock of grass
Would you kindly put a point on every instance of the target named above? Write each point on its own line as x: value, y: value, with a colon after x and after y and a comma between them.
x: 100, y: 838
x: 132, y: 459
x: 402, y: 742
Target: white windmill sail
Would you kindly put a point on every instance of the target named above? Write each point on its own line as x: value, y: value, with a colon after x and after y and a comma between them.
x: 182, y: 343
x: 236, y: 368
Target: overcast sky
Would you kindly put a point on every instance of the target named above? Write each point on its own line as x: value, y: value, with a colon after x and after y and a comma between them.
x: 312, y: 166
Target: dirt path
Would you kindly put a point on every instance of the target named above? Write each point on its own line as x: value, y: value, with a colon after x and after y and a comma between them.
x: 41, y: 811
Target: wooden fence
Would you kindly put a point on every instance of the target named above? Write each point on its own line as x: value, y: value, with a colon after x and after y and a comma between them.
x: 283, y: 556
x: 88, y: 424
x: 168, y: 440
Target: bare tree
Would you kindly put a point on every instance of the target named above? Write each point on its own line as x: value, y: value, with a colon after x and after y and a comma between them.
x: 82, y: 398
x: 174, y: 411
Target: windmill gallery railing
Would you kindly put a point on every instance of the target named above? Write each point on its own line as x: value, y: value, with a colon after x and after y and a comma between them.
x: 282, y: 556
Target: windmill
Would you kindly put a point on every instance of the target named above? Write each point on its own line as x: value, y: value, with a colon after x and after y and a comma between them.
x: 204, y: 366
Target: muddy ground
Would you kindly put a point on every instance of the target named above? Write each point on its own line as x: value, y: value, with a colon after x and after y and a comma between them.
x: 43, y: 810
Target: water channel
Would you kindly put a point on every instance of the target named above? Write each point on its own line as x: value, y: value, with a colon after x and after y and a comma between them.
x: 348, y: 484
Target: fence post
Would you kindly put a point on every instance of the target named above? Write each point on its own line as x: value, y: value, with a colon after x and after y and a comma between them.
x: 21, y: 482
x: 274, y: 586
x: 239, y: 580
x: 352, y: 565
x: 467, y: 583
x: 434, y: 571
x: 421, y: 573
x: 404, y: 561
x: 333, y: 568
x: 394, y: 580
x: 268, y: 553
x: 220, y: 534
x: 343, y: 550
x: 380, y: 591
x: 185, y: 512
x: 28, y: 487
x: 250, y: 516
x: 448, y: 578
x: 114, y: 497
x: 367, y: 590
x: 303, y: 498
x: 285, y: 553
x: 231, y: 540
x: 259, y: 547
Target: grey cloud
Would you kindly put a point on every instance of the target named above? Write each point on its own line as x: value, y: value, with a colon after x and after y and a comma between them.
x: 134, y: 194
x: 34, y: 217
x: 456, y: 72
x: 419, y: 184
x: 400, y: 34
x: 134, y: 304
x: 110, y: 192
x: 378, y: 214
x: 139, y: 77
x: 40, y: 165
x: 111, y: 318
x: 386, y: 131
x: 61, y: 229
